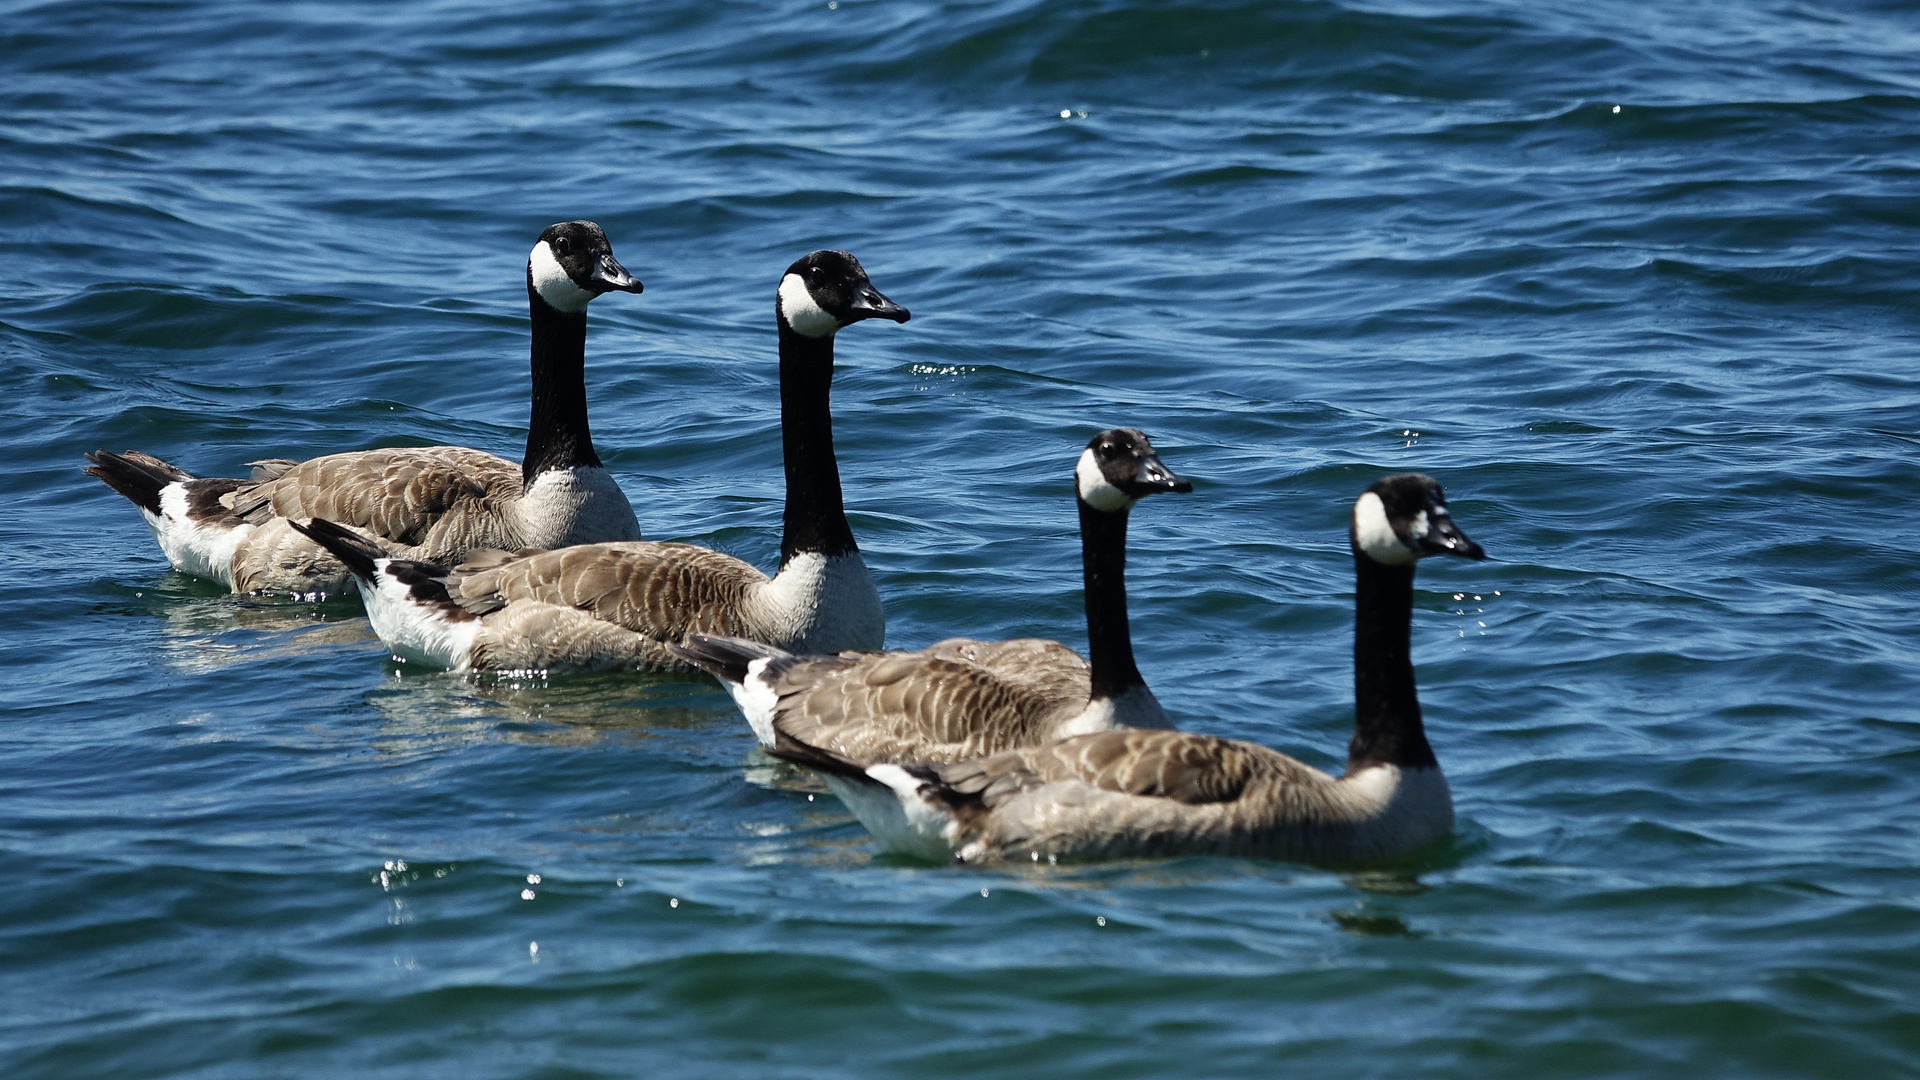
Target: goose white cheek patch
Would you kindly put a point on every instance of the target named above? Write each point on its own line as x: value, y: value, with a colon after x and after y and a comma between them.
x: 802, y: 312
x: 1095, y: 491
x: 552, y: 282
x: 1375, y: 534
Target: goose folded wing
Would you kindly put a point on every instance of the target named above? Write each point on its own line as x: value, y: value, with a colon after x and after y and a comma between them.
x: 1175, y: 765
x: 910, y: 707
x: 398, y: 494
x: 1047, y: 667
x: 665, y: 591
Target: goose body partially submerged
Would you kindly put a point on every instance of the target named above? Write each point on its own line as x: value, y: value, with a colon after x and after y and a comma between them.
x: 962, y: 698
x: 620, y: 605
x: 1132, y: 793
x: 432, y: 503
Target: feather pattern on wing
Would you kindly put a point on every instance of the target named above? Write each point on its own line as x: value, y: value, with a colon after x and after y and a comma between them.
x: 439, y: 501
x: 1134, y: 793
x: 956, y: 699
x: 661, y: 590
x: 537, y: 636
x: 431, y: 504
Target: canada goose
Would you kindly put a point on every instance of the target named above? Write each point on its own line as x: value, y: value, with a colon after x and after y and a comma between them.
x: 608, y: 606
x: 434, y: 502
x: 1122, y: 794
x: 962, y: 699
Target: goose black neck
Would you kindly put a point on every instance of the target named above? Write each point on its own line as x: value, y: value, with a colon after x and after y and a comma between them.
x: 557, y: 435
x: 1386, y: 711
x: 1103, y: 560
x: 816, y: 519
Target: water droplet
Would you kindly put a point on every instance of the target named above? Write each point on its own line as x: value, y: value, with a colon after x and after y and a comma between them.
x: 1066, y: 114
x: 533, y: 879
x: 1616, y: 109
x: 1036, y: 856
x: 526, y: 894
x: 673, y: 902
x: 983, y: 893
x: 619, y: 883
x: 533, y: 948
x: 809, y: 798
x: 1100, y: 920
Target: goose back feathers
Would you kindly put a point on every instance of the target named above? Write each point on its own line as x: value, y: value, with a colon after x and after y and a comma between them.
x: 430, y: 503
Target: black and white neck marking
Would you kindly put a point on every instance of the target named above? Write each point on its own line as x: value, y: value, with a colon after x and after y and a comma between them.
x: 549, y: 281
x: 801, y: 312
x: 570, y: 264
x: 1117, y: 469
x: 818, y: 295
x: 1396, y: 522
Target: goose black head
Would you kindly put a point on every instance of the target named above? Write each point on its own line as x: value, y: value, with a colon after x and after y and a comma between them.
x: 1119, y: 468
x: 826, y: 290
x: 1403, y: 518
x: 572, y: 263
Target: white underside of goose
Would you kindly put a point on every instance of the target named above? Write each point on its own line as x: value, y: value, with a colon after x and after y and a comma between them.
x: 897, y: 815
x: 757, y: 700
x: 205, y: 551
x: 414, y: 631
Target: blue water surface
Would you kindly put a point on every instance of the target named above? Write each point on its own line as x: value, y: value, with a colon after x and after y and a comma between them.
x: 1636, y: 282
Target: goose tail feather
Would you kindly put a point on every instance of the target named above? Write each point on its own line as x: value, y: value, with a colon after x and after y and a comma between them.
x: 137, y: 476
x: 356, y: 551
x: 724, y: 658
x: 908, y: 808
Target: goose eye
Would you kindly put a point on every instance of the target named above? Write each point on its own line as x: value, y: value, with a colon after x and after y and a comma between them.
x: 562, y: 246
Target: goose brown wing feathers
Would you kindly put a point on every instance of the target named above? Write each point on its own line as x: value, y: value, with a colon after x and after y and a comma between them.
x: 1175, y: 765
x: 956, y: 699
x: 664, y: 591
x: 1038, y: 665
x: 401, y: 494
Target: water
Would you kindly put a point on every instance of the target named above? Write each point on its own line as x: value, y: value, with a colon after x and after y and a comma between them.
x: 1636, y: 285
